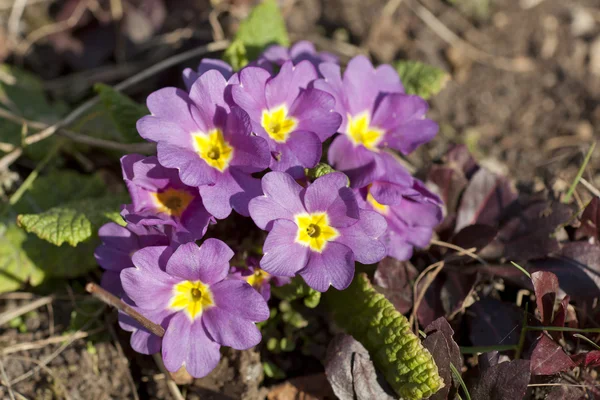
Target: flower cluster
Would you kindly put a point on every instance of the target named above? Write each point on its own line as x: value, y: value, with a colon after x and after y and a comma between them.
x: 244, y: 141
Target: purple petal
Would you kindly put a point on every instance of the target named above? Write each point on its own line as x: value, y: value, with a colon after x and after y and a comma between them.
x: 207, y: 64
x: 127, y: 163
x: 397, y: 246
x: 332, y: 84
x: 276, y: 54
x: 230, y: 330
x: 334, y: 266
x: 407, y: 137
x: 147, y: 284
x: 208, y: 263
x: 193, y: 171
x: 111, y: 281
x: 331, y: 194
x: 281, y: 199
x: 233, y: 189
x: 173, y: 105
x: 251, y: 153
x: 250, y: 93
x: 195, y: 220
x: 301, y: 150
x: 362, y: 237
x: 207, y: 92
x: 240, y: 299
x: 204, y: 354
x: 282, y: 255
x: 285, y: 87
x: 156, y: 129
x: 177, y: 342
x: 361, y: 165
x: 314, y: 110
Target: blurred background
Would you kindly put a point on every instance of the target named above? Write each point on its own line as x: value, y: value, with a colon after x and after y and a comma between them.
x: 523, y: 96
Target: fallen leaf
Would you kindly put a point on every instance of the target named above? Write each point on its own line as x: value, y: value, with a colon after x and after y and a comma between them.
x: 395, y: 278
x: 494, y: 322
x: 590, y: 221
x: 548, y: 358
x: 445, y: 351
x: 546, y: 287
x: 484, y: 200
x: 591, y: 359
x: 504, y: 381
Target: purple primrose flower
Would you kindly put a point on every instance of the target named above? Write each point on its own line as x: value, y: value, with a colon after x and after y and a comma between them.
x: 160, y: 198
x: 208, y: 142
x: 258, y: 278
x: 300, y: 51
x: 200, y: 309
x: 293, y: 119
x: 411, y: 211
x: 376, y: 114
x: 317, y: 232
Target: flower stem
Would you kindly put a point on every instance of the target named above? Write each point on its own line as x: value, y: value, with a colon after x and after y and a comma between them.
x: 117, y: 303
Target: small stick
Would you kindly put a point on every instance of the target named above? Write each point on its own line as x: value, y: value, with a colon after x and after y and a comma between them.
x: 117, y: 303
x: 17, y: 312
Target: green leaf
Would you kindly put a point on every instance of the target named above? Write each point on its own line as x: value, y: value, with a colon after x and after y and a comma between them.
x: 22, y: 93
x: 397, y: 352
x: 421, y: 79
x: 58, y: 187
x: 123, y: 111
x: 73, y: 222
x: 297, y: 289
x: 264, y: 26
x: 16, y: 268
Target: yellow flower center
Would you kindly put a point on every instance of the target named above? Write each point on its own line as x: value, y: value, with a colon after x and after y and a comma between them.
x: 360, y: 131
x: 380, y: 208
x: 172, y: 201
x: 191, y: 297
x: 257, y: 278
x: 277, y: 124
x: 314, y: 231
x: 213, y: 149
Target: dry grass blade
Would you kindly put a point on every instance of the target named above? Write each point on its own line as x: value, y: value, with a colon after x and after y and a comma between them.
x: 173, y: 388
x: 461, y: 251
x: 45, y: 342
x: 5, y: 379
x: 9, y: 315
x: 418, y: 296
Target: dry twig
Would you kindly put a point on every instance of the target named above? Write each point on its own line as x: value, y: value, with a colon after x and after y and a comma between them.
x: 418, y: 296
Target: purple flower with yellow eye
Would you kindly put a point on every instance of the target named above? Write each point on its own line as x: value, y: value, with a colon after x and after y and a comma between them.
x: 300, y: 51
x: 376, y: 114
x: 412, y: 212
x: 258, y: 278
x: 159, y: 198
x: 293, y: 119
x: 317, y: 232
x: 208, y: 142
x: 200, y: 308
x: 118, y: 245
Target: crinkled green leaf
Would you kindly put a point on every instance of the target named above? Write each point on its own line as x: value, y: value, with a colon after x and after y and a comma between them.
x: 123, y: 111
x: 297, y: 289
x: 73, y: 222
x: 264, y: 26
x: 22, y: 93
x: 16, y: 268
x: 421, y: 79
x: 396, y: 351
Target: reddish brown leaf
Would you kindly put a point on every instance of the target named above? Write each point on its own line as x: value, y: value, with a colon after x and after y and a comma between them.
x: 529, y: 225
x: 445, y: 351
x: 590, y: 359
x: 548, y: 358
x: 545, y: 285
x: 494, y: 322
x: 484, y: 200
x: 396, y: 281
x: 590, y: 221
x: 504, y: 381
x: 577, y: 267
x: 477, y: 236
